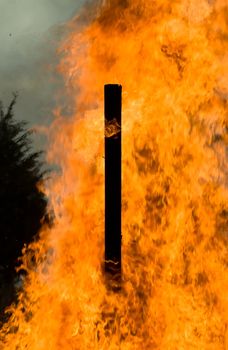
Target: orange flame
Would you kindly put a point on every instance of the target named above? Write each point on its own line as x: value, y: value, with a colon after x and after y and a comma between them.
x: 171, y: 58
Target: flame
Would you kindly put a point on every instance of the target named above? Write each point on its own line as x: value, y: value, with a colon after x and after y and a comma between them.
x: 111, y: 127
x: 171, y: 58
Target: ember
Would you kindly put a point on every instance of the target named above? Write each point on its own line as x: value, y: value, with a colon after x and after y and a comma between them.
x: 171, y: 58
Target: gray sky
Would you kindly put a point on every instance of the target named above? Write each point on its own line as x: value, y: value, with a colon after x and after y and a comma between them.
x: 30, y: 31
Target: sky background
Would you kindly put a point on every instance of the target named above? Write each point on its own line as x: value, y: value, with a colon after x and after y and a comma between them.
x: 30, y: 32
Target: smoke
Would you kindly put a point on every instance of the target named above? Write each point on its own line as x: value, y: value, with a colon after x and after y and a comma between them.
x: 30, y: 34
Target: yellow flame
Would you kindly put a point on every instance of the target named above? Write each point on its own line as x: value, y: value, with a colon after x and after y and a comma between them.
x: 171, y: 58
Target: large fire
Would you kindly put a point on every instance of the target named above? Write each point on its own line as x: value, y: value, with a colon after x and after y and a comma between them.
x: 171, y: 58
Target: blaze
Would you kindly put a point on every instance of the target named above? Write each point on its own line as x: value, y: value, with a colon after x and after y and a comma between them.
x: 171, y: 59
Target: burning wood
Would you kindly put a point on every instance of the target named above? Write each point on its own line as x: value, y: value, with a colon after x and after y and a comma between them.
x: 113, y: 103
x: 170, y: 56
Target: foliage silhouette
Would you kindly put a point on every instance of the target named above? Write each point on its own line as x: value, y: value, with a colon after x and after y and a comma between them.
x: 23, y: 206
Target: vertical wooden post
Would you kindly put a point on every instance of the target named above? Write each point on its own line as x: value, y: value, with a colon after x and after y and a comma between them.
x: 113, y: 107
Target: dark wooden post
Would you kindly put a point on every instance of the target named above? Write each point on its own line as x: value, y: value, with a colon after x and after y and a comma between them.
x: 113, y: 106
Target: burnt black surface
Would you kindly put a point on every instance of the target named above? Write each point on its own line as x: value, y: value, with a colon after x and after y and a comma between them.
x: 113, y: 106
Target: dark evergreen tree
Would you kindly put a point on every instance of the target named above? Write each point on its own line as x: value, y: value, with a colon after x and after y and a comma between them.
x: 22, y: 203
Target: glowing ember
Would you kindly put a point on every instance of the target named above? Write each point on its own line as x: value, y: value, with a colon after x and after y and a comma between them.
x: 171, y: 58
